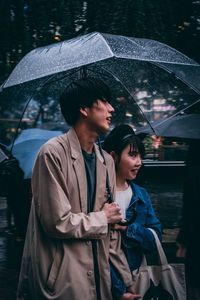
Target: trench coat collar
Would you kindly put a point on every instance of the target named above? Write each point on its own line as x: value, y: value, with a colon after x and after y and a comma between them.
x: 79, y: 167
x: 75, y: 146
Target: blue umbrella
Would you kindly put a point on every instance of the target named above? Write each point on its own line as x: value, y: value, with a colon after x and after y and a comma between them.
x: 27, y: 145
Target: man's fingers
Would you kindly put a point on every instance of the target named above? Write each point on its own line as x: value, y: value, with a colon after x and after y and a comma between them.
x: 113, y: 212
x: 130, y: 296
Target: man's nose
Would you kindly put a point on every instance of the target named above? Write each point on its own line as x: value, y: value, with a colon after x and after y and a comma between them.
x: 110, y: 108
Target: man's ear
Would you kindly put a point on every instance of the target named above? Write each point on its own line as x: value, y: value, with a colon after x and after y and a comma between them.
x: 84, y: 111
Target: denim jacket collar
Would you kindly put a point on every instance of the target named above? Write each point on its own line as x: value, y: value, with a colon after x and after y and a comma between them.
x: 137, y: 194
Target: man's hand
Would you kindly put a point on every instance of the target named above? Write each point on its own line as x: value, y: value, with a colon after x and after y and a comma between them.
x: 130, y: 296
x: 113, y: 212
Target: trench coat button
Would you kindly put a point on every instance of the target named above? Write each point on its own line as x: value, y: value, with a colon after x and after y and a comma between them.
x: 90, y: 273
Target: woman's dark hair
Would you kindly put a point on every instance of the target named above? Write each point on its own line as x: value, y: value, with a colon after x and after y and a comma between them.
x: 80, y: 94
x: 120, y: 137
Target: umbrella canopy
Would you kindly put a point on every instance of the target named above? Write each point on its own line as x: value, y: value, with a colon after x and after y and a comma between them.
x: 183, y: 126
x: 26, y: 147
x: 149, y: 79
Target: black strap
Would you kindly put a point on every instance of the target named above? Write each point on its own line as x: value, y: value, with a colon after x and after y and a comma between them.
x: 96, y: 269
x: 108, y: 189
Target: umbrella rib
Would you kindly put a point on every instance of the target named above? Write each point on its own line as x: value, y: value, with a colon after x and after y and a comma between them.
x: 181, y: 79
x: 117, y: 79
x: 86, y: 67
x: 130, y: 39
x: 172, y: 116
x: 66, y: 75
x: 192, y: 63
x: 108, y: 46
x: 27, y: 103
x: 177, y: 113
x: 90, y: 37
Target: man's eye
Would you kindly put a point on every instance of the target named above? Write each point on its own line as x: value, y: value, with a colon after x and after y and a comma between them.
x: 104, y: 100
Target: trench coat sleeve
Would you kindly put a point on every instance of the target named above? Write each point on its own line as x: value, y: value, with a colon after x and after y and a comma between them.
x: 53, y: 205
x: 118, y: 259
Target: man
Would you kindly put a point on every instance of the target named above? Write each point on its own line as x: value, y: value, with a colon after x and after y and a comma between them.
x: 68, y: 241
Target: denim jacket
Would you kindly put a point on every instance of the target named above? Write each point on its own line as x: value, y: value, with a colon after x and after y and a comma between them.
x: 137, y: 239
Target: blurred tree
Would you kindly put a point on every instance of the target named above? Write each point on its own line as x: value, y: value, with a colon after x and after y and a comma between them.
x: 12, y: 34
x: 26, y: 24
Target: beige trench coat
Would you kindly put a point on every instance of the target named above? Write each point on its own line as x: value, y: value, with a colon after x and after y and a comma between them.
x: 57, y: 261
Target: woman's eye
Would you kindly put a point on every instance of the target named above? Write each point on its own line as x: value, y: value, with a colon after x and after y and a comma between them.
x: 133, y: 154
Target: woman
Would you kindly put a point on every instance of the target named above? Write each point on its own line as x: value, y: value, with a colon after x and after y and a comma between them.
x: 127, y: 150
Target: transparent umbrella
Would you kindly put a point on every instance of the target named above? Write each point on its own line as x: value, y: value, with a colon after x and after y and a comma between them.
x: 149, y: 80
x: 185, y: 126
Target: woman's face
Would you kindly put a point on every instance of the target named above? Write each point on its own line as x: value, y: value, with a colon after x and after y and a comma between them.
x: 130, y: 163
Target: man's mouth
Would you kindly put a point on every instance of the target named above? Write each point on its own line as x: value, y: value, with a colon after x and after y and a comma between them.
x: 109, y: 119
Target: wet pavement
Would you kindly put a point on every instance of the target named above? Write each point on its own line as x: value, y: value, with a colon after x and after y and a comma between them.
x: 10, y: 257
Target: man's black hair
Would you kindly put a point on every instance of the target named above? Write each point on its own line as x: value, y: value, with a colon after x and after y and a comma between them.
x: 80, y: 94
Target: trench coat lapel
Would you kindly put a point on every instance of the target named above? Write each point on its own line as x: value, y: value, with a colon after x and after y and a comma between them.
x: 79, y: 168
x: 100, y: 197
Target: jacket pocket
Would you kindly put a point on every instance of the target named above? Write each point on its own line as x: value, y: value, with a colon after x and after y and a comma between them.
x: 54, y: 271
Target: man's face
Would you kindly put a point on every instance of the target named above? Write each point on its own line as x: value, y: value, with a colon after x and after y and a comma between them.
x: 99, y: 116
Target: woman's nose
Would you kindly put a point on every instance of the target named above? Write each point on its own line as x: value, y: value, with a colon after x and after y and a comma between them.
x: 138, y: 160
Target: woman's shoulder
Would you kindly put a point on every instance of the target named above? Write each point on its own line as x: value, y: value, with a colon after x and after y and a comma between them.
x: 140, y: 191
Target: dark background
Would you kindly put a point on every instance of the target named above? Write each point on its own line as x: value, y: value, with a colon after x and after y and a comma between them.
x: 25, y: 25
